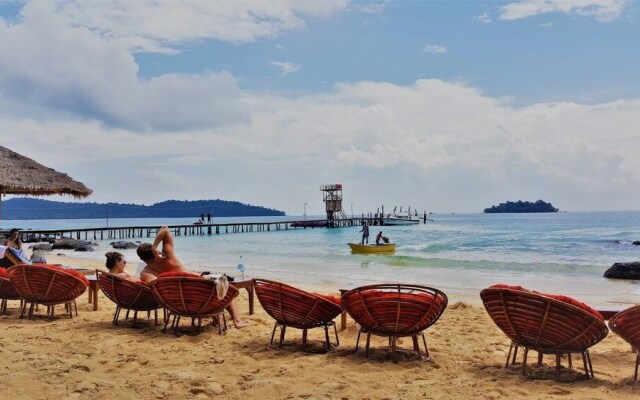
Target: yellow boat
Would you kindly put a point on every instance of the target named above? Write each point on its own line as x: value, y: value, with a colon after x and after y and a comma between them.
x: 372, y: 248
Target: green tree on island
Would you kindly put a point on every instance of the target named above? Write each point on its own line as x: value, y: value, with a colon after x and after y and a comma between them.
x: 521, y: 207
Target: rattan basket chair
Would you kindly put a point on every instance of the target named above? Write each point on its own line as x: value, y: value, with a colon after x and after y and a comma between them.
x: 296, y: 308
x: 7, y: 291
x: 193, y: 297
x: 127, y: 295
x: 536, y: 322
x: 48, y: 285
x: 626, y: 324
x: 395, y: 311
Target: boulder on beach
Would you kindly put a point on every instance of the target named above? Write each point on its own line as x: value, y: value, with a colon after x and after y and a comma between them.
x: 121, y: 244
x: 41, y: 247
x: 72, y: 244
x: 624, y: 270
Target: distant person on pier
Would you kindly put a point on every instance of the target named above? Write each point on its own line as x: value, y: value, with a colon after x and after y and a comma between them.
x: 167, y: 261
x: 14, y: 240
x: 202, y: 217
x: 116, y: 263
x: 208, y: 218
x: 365, y: 233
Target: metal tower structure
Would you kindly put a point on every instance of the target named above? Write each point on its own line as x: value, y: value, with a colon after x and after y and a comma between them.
x: 332, y: 197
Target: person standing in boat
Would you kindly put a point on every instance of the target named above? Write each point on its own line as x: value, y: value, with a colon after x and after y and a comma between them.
x: 365, y: 233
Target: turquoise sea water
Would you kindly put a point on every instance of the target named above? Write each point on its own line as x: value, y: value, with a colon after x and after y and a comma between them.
x: 461, y: 254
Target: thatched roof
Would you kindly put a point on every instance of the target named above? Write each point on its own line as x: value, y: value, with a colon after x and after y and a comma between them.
x: 22, y: 175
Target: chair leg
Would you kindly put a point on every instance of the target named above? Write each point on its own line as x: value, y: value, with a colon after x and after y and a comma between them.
x: 416, y: 346
x: 584, y: 363
x: 304, y: 340
x: 166, y: 322
x: 335, y: 331
x: 589, y: 361
x: 3, y: 306
x: 366, y: 352
x: 539, y: 359
x: 126, y: 317
x: 506, y: 365
x: 358, y: 341
x: 283, y: 329
x: 273, y: 334
x: 31, y: 310
x: 570, y: 361
x: 558, y: 355
x: 135, y: 318
x: 426, y: 349
x: 635, y: 375
x: 326, y: 336
x: 24, y: 309
x: 176, y: 321
x: 524, y: 360
x: 116, y: 315
x: 75, y: 305
x: 393, y: 349
x: 515, y: 353
x: 155, y: 312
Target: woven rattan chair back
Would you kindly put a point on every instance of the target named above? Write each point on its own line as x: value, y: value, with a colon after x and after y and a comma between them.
x: 395, y: 310
x: 296, y: 308
x: 626, y: 324
x: 42, y: 284
x: 127, y: 295
x: 191, y: 297
x: 543, y: 324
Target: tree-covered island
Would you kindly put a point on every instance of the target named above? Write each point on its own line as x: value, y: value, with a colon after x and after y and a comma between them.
x: 521, y: 207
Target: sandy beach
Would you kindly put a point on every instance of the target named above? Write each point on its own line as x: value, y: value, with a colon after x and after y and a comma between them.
x: 89, y: 358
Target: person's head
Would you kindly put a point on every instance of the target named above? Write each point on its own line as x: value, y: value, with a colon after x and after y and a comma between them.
x: 115, y: 262
x: 145, y: 252
x: 13, y: 233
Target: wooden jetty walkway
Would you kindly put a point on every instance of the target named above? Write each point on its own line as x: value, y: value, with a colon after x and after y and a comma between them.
x: 130, y: 232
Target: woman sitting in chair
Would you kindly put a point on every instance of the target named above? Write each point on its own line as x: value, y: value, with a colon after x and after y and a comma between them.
x: 115, y: 265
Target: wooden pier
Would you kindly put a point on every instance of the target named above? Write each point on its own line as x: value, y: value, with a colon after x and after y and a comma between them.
x: 131, y: 232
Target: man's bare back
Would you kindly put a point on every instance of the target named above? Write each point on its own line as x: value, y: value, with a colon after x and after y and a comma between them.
x: 157, y: 261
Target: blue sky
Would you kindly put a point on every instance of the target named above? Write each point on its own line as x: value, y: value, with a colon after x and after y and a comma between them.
x: 447, y: 106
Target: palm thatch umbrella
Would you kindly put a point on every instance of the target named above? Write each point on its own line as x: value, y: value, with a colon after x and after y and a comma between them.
x: 22, y: 175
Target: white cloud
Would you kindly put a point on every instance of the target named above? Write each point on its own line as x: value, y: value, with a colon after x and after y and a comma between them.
x: 48, y: 66
x: 371, y: 8
x: 546, y: 24
x: 286, y: 68
x: 434, y: 48
x: 435, y: 140
x: 484, y: 18
x: 602, y: 10
x: 159, y: 26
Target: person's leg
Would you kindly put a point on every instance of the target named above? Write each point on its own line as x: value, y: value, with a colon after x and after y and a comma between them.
x: 233, y: 310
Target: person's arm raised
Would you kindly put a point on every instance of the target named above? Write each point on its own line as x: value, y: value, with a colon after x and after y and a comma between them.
x: 164, y: 235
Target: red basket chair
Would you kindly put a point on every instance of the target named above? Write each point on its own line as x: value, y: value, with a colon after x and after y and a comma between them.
x: 394, y: 311
x: 188, y: 295
x: 541, y: 323
x: 7, y: 291
x: 626, y: 324
x: 295, y: 308
x: 49, y: 285
x: 127, y: 295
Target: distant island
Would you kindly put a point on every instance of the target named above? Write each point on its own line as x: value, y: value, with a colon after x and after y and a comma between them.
x: 521, y: 207
x: 28, y: 208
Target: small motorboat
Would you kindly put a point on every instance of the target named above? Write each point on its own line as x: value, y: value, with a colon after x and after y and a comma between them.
x: 372, y: 248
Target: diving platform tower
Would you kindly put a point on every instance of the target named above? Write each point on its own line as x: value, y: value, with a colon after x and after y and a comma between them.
x: 332, y: 197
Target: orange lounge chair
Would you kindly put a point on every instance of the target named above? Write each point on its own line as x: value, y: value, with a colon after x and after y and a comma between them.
x: 545, y: 324
x: 295, y: 308
x: 127, y: 295
x: 49, y: 285
x: 7, y: 291
x: 188, y: 295
x: 626, y: 324
x: 394, y: 311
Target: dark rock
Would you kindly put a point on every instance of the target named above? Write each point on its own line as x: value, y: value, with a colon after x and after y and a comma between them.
x: 41, y: 247
x: 70, y: 244
x: 624, y: 270
x: 124, y: 245
x: 87, y: 248
x: 636, y: 242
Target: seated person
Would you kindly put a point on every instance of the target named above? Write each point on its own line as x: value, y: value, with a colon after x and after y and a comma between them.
x: 166, y: 261
x: 14, y: 240
x: 116, y: 263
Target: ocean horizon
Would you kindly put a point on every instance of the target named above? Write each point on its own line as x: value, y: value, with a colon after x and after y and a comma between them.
x: 564, y: 252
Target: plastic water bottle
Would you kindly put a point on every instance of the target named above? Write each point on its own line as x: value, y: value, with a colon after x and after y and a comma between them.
x: 240, y: 267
